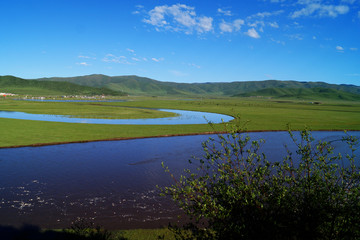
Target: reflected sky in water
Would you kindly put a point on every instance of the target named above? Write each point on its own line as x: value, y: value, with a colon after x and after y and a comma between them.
x: 183, y: 117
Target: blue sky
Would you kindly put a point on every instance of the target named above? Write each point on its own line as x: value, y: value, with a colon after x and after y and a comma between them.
x: 183, y: 41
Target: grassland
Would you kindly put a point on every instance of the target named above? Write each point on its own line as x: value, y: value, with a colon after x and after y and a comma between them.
x: 82, y: 110
x: 260, y: 114
x: 144, y: 234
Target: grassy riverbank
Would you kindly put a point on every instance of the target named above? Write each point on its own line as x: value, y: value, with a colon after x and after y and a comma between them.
x: 82, y: 109
x: 261, y: 114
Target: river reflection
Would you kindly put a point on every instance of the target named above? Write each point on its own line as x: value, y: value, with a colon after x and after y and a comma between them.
x: 182, y: 117
x: 111, y: 183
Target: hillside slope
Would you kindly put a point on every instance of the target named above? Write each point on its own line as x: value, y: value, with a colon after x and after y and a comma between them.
x: 130, y: 84
x: 17, y: 85
x: 317, y: 93
x: 135, y: 85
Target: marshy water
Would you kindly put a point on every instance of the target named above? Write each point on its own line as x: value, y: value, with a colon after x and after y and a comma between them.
x: 111, y: 183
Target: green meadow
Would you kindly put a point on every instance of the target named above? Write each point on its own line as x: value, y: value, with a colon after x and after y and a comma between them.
x: 260, y: 115
x: 82, y: 109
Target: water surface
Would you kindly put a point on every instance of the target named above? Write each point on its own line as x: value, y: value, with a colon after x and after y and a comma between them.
x: 111, y: 183
x: 182, y: 117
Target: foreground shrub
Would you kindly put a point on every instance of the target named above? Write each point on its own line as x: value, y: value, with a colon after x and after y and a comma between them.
x: 87, y: 230
x: 236, y: 193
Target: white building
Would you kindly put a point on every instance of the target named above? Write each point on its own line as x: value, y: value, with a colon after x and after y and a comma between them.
x: 7, y: 94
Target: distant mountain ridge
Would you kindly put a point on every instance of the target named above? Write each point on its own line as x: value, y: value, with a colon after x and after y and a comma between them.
x: 98, y: 84
x: 135, y: 85
x: 304, y: 93
x: 17, y: 85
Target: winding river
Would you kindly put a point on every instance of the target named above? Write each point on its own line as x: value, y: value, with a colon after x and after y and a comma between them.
x: 112, y: 183
x: 182, y: 117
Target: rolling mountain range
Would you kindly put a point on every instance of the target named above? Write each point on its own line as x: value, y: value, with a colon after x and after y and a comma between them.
x: 317, y: 93
x: 134, y: 85
x: 11, y: 84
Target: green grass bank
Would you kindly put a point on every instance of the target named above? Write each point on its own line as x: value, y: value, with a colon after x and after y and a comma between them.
x: 261, y: 114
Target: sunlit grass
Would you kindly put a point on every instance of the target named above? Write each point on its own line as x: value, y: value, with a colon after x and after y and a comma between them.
x: 260, y: 114
x: 82, y: 110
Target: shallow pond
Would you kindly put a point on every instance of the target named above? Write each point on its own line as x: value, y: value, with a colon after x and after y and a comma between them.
x: 183, y: 117
x: 111, y: 183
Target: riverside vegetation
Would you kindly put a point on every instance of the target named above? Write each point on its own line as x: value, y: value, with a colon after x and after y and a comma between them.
x: 235, y: 193
x: 268, y: 105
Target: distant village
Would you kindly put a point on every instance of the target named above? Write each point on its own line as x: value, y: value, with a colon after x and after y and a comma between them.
x: 3, y: 94
x: 7, y: 94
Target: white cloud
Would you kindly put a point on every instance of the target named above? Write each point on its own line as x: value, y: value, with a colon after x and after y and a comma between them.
x: 86, y: 57
x: 237, y: 24
x: 179, y: 18
x: 278, y: 41
x: 252, y: 33
x: 258, y: 20
x: 115, y: 59
x: 296, y: 37
x: 315, y: 8
x: 339, y: 48
x: 225, y: 12
x: 204, y: 25
x: 260, y: 24
x: 225, y: 27
x: 262, y: 14
x: 157, y: 59
x: 231, y: 26
x: 130, y: 50
x: 140, y: 9
x: 274, y: 24
x: 157, y: 16
x: 83, y: 64
x: 194, y: 65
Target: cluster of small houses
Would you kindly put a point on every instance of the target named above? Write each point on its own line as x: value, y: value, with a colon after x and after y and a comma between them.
x: 6, y: 94
x: 42, y: 98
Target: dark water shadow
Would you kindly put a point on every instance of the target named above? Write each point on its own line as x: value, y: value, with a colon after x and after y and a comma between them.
x: 32, y: 232
x: 153, y: 160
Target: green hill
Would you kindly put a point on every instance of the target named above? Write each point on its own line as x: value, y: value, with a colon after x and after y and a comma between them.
x: 135, y: 85
x: 16, y: 85
x: 317, y: 93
